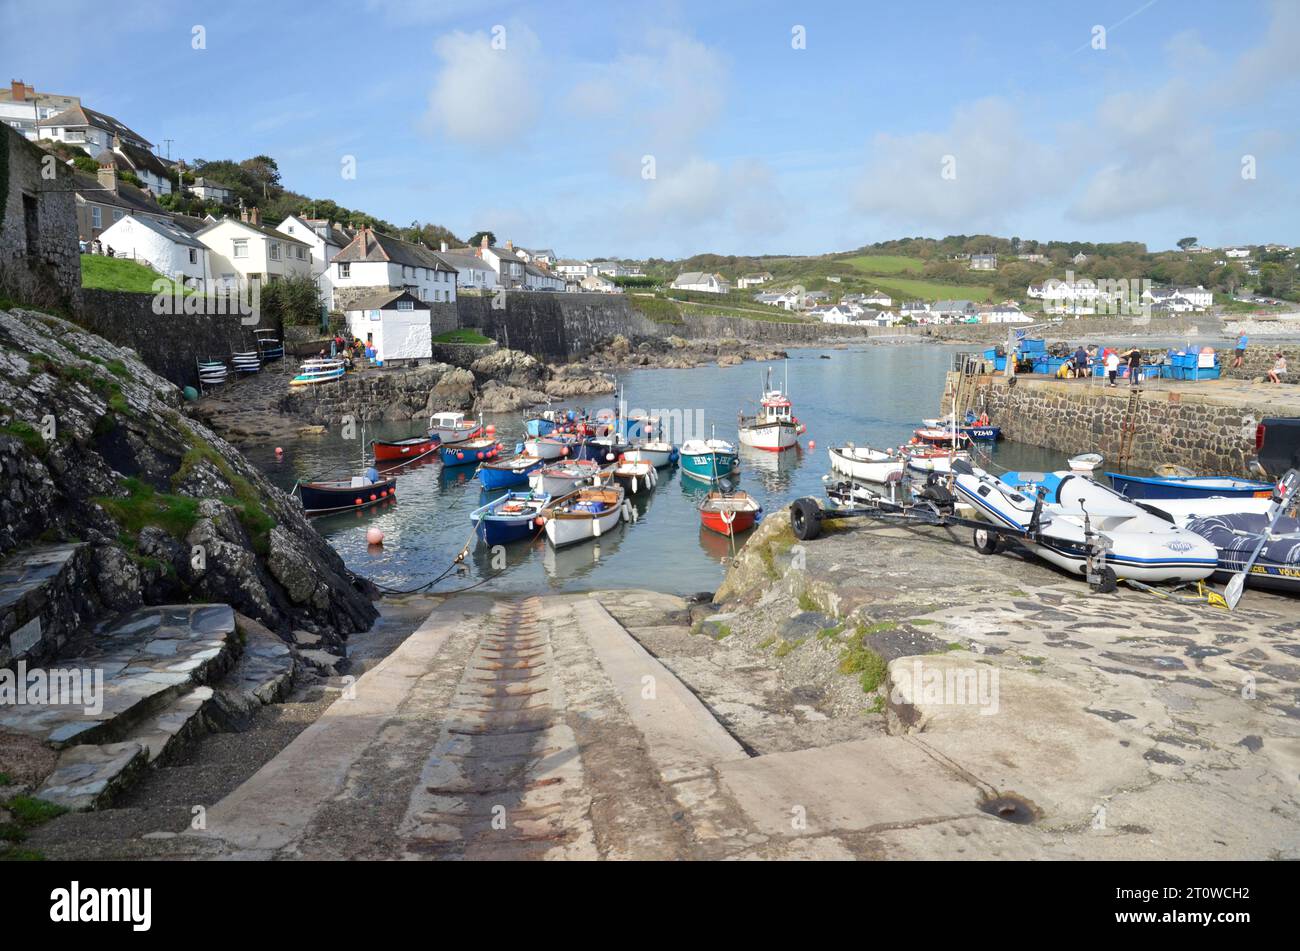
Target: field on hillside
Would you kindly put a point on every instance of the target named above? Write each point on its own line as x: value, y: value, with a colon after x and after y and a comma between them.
x: 902, y: 288
x: 120, y: 274
x: 885, y: 264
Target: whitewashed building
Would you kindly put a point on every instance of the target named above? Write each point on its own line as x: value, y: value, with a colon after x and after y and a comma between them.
x: 397, y: 324
x: 374, y: 262
x: 245, y: 249
x: 163, y: 245
x: 701, y: 282
x: 878, y: 299
x: 22, y: 106
x: 326, y: 240
x: 754, y: 280
x: 211, y: 191
x: 93, y: 131
x: 1005, y: 313
x: 472, y: 272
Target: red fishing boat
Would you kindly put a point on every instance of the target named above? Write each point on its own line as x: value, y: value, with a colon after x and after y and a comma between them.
x: 934, y: 436
x: 404, y: 450
x: 729, y: 513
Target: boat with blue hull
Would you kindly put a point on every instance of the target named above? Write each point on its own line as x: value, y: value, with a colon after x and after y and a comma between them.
x: 981, y: 433
x: 469, y: 453
x: 508, y: 473
x: 709, y: 460
x: 510, y: 518
x: 1204, y: 487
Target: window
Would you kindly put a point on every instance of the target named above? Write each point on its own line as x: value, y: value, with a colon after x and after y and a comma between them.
x: 241, y: 247
x: 77, y: 136
x: 345, y: 270
x: 405, y: 305
x: 117, y: 215
x: 297, y: 252
x: 96, y: 217
x: 194, y: 255
x: 274, y: 250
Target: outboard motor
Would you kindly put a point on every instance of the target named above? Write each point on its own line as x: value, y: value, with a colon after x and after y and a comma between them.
x: 938, y: 495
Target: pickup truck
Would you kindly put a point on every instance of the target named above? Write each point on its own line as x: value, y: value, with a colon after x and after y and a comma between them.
x: 1277, y: 445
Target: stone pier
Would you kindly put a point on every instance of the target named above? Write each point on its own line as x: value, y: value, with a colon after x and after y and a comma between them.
x: 1207, y: 426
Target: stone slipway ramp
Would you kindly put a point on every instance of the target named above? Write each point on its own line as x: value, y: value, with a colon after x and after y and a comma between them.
x: 540, y: 728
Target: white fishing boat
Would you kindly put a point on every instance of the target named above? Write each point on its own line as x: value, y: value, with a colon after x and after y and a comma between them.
x: 584, y: 514
x: 866, y: 464
x: 775, y: 428
x: 1077, y: 514
x: 923, y: 458
x: 658, y: 454
x: 561, y: 478
x: 453, y: 428
x: 549, y: 447
x: 636, y: 478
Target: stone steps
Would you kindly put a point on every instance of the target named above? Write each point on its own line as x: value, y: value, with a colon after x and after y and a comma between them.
x: 150, y: 682
x: 42, y: 593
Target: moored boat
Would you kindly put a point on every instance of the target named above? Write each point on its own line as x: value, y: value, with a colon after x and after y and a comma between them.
x: 404, y: 450
x: 359, y: 492
x: 658, y: 454
x: 636, y: 478
x: 933, y: 458
x: 507, y: 473
x: 981, y: 433
x: 775, y: 428
x: 510, y: 518
x: 729, y: 513
x: 554, y: 446
x: 561, y: 478
x: 470, y: 452
x: 1157, y: 487
x: 584, y: 514
x: 933, y: 436
x: 866, y: 464
x: 453, y: 428
x: 709, y: 460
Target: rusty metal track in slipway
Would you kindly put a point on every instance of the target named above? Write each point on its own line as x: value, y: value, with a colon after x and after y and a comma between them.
x: 505, y: 778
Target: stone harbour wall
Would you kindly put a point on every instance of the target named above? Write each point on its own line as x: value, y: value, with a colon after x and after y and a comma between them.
x: 1072, y: 328
x: 1259, y: 359
x: 555, y: 326
x: 713, y: 327
x: 410, y: 392
x: 40, y: 259
x: 1204, y: 432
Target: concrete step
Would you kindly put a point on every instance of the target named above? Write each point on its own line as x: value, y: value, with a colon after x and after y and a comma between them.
x: 42, y: 595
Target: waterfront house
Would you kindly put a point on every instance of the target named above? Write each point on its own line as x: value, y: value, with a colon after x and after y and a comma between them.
x: 1179, y: 299
x: 374, y: 262
x: 540, y: 279
x: 953, y: 309
x: 701, y: 282
x: 918, y: 310
x: 472, y: 272
x: 325, y: 239
x: 878, y: 299
x: 164, y: 246
x: 754, y: 280
x: 1004, y: 313
x: 983, y: 262
x: 244, y: 249
x: 509, y: 267
x: 104, y: 200
x: 572, y: 270
x: 397, y: 324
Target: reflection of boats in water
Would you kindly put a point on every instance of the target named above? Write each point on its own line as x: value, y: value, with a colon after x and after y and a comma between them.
x: 718, y: 547
x: 487, y: 559
x: 563, y: 565
x: 775, y: 470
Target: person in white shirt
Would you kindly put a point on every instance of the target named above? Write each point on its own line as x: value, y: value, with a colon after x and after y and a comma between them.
x: 1112, y: 367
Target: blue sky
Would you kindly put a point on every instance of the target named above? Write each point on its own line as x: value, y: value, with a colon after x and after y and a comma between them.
x: 757, y: 147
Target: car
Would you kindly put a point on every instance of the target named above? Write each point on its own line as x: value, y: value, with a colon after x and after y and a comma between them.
x: 1277, y: 445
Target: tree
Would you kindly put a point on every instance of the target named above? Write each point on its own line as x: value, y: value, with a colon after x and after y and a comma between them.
x: 263, y: 171
x: 477, y: 238
x: 1187, y: 243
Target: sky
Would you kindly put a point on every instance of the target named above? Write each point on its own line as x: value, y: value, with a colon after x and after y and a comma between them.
x: 669, y: 129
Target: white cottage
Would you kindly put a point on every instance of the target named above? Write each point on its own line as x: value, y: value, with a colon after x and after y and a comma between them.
x: 397, y: 324
x: 246, y: 250
x: 166, y: 247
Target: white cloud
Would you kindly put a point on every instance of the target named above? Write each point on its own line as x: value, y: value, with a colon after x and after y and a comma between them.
x: 969, y: 175
x: 483, y: 96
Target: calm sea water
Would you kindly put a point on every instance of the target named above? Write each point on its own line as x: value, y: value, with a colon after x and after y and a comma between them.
x: 873, y: 396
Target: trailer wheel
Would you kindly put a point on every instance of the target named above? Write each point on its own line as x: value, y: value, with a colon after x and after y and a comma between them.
x: 1108, y: 584
x: 986, y: 542
x: 805, y: 519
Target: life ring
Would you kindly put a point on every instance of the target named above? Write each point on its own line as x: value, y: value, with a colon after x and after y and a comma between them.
x: 356, y: 501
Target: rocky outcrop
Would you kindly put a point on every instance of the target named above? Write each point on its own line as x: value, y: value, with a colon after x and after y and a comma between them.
x: 678, y: 353
x: 95, y: 449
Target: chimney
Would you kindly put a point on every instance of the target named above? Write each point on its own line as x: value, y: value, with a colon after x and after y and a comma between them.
x: 107, y: 175
x: 483, y: 243
x: 255, y: 216
x: 17, y: 90
x: 243, y: 214
x: 444, y: 246
x: 361, y: 238
x: 510, y: 245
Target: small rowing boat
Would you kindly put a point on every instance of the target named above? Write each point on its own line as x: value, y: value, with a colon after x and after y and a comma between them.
x: 658, y: 454
x: 940, y: 437
x: 404, y: 450
x: 470, y: 452
x: 554, y: 446
x: 1156, y: 487
x: 312, y: 372
x: 729, y: 513
x: 508, y: 473
x: 511, y: 518
x: 584, y: 514
x: 933, y: 458
x: 636, y: 478
x: 866, y: 464
x: 453, y: 428
x: 561, y: 478
x: 359, y: 492
x: 709, y: 460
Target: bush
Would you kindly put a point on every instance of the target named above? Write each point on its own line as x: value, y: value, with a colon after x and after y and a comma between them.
x: 292, y: 301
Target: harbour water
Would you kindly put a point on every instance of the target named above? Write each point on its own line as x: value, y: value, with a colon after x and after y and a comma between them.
x: 871, y: 396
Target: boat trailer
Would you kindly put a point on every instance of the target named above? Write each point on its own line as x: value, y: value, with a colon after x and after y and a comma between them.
x: 933, y: 503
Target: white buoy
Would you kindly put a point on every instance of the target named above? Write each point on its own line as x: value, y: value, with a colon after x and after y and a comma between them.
x: 374, y: 536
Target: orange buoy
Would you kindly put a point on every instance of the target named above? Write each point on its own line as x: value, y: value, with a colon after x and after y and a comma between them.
x: 356, y: 501
x: 373, y: 496
x: 374, y: 536
x: 460, y: 455
x: 491, y: 430
x: 812, y: 444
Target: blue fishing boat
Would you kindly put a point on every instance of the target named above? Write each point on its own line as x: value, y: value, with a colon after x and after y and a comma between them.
x: 508, y: 473
x: 981, y: 433
x: 709, y: 460
x: 1203, y: 487
x: 542, y: 424
x: 469, y: 453
x: 510, y: 518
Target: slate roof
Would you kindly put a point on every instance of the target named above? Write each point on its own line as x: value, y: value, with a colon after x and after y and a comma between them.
x: 170, y: 230
x: 128, y: 196
x: 369, y: 245
x: 383, y: 299
x: 79, y: 115
x: 263, y: 230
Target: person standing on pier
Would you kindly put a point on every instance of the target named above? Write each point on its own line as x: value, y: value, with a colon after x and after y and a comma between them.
x: 1112, y: 367
x: 1134, y: 366
x: 1242, y: 341
x: 1080, y: 362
